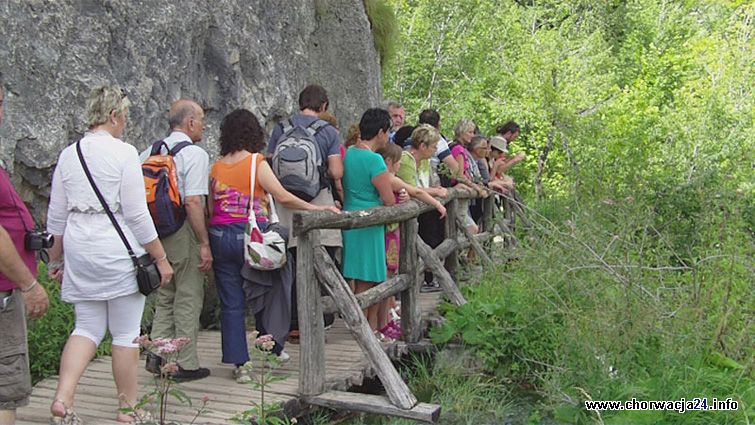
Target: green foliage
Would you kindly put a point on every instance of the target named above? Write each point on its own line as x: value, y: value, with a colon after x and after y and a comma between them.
x: 615, y: 299
x: 165, y: 387
x: 467, y: 394
x: 385, y: 31
x: 48, y: 334
x: 261, y: 368
x: 626, y: 92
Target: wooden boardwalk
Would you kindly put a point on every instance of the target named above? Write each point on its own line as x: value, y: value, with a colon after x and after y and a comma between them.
x: 346, y: 366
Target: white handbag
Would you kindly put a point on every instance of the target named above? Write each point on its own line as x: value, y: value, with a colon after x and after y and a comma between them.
x: 262, y: 250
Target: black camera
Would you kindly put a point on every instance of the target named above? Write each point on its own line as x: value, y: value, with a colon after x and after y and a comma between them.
x: 37, y: 240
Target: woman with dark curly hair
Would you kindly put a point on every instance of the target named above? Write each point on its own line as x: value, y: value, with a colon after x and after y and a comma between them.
x: 241, y: 136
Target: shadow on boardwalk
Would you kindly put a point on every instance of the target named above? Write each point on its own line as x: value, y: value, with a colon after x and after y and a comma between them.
x: 346, y: 365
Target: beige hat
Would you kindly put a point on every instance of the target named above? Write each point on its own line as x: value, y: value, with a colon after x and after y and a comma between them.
x: 498, y: 142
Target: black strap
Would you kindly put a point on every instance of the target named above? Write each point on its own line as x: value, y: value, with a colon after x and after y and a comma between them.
x: 105, y: 206
x: 158, y: 146
x: 177, y: 148
x: 318, y: 125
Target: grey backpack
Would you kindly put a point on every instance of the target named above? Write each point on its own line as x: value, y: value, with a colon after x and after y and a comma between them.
x: 298, y: 160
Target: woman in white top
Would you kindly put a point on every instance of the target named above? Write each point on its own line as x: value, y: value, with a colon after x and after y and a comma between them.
x: 98, y: 276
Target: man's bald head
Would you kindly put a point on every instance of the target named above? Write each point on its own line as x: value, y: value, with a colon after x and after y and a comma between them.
x: 188, y: 117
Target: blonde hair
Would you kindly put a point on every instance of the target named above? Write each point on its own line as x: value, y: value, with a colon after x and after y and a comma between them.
x: 463, y: 126
x: 424, y: 133
x: 102, y: 101
x: 352, y: 135
x: 391, y: 152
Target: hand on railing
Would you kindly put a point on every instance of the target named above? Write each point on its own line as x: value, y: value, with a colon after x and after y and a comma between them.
x: 330, y: 208
x: 403, y: 196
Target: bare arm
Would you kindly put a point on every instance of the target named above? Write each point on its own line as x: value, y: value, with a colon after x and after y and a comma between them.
x: 11, y: 264
x: 452, y: 164
x: 383, y: 184
x: 195, y: 214
x: 507, y: 163
x: 335, y: 167
x: 422, y: 195
x: 270, y: 183
x: 14, y: 268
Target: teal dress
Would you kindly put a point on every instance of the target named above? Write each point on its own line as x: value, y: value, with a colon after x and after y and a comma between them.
x: 364, y: 248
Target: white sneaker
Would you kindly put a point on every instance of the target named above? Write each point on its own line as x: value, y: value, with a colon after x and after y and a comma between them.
x: 284, y: 357
x: 241, y: 375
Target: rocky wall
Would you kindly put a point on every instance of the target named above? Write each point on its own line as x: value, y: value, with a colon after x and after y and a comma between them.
x: 225, y: 54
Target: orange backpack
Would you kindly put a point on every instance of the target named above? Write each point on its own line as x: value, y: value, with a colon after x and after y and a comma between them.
x: 161, y: 184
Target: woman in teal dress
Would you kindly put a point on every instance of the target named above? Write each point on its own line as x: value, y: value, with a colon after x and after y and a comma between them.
x: 367, y: 184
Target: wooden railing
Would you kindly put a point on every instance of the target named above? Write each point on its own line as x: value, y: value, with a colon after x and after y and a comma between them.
x: 315, y: 267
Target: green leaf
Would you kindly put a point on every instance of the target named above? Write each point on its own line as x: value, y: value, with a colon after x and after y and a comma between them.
x: 180, y: 396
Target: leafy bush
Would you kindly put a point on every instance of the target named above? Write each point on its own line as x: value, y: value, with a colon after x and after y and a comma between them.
x: 619, y: 298
x: 48, y: 335
x: 385, y: 31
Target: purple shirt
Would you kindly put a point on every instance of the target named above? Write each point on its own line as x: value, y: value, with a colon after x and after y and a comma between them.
x: 12, y: 212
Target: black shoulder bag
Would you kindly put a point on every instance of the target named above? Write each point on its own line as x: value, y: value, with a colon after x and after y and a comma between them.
x: 147, y: 275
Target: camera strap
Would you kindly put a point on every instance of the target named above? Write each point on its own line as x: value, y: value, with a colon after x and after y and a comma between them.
x: 105, y: 206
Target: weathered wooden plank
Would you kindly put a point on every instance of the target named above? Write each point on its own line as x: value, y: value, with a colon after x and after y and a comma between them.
x: 452, y: 259
x: 311, y: 326
x: 376, y: 404
x: 475, y: 244
x: 411, y: 312
x: 397, y: 390
x: 305, y: 221
x: 488, y: 206
x: 440, y: 273
x: 373, y: 295
x: 345, y: 363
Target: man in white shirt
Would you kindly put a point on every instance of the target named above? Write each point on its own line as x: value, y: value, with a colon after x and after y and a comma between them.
x: 179, y: 303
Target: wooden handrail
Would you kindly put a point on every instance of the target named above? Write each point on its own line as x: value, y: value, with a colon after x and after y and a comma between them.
x: 315, y: 269
x: 308, y: 220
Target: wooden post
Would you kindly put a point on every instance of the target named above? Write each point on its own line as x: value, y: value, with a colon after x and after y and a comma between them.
x: 395, y: 387
x: 475, y: 244
x: 510, y: 214
x: 488, y: 205
x: 452, y: 261
x: 440, y: 273
x: 311, y: 327
x: 378, y: 293
x: 411, y: 313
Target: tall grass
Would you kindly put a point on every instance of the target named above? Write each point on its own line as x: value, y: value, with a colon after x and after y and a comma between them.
x: 616, y: 297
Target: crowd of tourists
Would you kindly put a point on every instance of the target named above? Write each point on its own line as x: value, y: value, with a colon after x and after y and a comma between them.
x: 111, y: 207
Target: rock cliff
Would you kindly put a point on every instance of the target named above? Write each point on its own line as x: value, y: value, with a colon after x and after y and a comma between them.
x: 226, y: 54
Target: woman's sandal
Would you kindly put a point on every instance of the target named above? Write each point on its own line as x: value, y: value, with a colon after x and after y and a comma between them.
x: 69, y: 416
x: 133, y: 418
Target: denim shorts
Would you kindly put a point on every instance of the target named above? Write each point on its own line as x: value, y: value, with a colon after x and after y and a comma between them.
x: 15, y: 378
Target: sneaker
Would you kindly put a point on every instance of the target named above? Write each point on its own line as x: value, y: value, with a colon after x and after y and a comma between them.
x: 185, y: 375
x: 283, y: 357
x: 396, y: 314
x: 433, y: 286
x: 329, y: 319
x: 241, y: 375
x: 153, y: 363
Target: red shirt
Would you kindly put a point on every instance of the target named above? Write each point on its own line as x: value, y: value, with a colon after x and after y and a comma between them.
x: 12, y: 212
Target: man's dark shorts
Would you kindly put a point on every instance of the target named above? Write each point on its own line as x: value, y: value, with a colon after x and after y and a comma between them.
x: 15, y: 379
